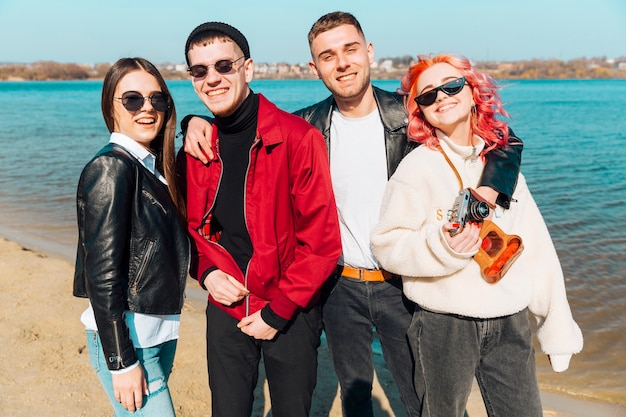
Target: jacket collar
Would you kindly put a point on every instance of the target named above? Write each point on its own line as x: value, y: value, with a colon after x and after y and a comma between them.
x: 392, y: 120
x: 269, y: 129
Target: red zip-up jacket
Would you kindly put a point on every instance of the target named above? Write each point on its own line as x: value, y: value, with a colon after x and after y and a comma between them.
x: 290, y: 215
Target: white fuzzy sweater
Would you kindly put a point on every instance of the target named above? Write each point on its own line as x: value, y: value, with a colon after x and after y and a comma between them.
x: 409, y: 241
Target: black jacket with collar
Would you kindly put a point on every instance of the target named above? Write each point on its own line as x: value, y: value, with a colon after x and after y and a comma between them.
x: 133, y: 252
x: 500, y: 172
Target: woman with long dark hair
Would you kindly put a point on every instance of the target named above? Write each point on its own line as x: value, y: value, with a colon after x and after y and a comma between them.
x: 133, y: 252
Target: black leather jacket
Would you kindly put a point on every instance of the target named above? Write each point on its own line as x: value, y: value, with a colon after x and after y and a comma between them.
x: 133, y: 252
x: 500, y: 172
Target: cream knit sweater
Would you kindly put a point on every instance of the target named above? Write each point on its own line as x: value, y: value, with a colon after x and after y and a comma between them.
x: 409, y: 241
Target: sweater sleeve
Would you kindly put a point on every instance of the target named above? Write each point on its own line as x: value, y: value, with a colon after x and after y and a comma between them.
x: 403, y: 241
x: 557, y: 332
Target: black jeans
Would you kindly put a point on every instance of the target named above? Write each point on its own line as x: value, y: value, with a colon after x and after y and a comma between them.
x: 290, y: 364
x: 352, y: 309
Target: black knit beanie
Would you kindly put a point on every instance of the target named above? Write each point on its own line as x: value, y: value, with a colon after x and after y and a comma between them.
x: 223, y: 28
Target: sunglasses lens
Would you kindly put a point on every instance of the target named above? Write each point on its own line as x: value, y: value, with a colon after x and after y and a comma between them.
x: 453, y: 87
x: 160, y: 102
x: 198, y: 71
x: 132, y: 101
x: 223, y: 66
x: 427, y: 99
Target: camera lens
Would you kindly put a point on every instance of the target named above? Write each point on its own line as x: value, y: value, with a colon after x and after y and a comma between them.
x: 477, y: 211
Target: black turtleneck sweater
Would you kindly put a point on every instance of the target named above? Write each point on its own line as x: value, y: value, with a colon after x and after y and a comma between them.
x: 236, y: 135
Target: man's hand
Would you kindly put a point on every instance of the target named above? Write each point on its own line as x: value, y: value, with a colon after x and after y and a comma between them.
x: 225, y: 288
x: 466, y: 241
x: 254, y: 326
x: 129, y: 388
x: 198, y: 139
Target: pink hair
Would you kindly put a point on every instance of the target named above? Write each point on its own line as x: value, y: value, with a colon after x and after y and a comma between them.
x: 484, y: 90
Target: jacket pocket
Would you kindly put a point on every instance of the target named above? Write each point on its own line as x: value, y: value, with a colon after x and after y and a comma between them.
x: 137, y: 282
x: 153, y: 200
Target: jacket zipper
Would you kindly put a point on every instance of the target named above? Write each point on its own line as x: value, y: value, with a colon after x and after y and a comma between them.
x: 245, y: 220
x: 117, y: 358
x: 206, y: 215
x: 143, y: 265
x: 153, y: 200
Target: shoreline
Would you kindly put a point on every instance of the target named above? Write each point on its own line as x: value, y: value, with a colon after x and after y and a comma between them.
x: 39, y: 314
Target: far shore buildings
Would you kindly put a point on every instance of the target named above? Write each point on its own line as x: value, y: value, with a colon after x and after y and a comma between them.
x: 300, y: 70
x: 396, y: 68
x: 386, y: 68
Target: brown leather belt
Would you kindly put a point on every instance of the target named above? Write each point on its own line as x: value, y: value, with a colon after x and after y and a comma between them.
x: 370, y: 275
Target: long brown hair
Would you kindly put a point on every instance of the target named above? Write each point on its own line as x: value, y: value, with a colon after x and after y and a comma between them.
x: 163, y: 145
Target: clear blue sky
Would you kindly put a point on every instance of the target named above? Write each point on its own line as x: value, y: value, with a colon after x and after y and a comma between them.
x: 92, y: 31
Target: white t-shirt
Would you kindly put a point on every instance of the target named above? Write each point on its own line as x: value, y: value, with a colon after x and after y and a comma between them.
x: 358, y: 166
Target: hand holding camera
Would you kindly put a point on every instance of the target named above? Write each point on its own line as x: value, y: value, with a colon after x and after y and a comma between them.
x: 468, y: 240
x: 468, y: 207
x: 498, y: 250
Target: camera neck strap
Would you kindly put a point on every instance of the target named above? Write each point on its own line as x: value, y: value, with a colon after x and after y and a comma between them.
x: 458, y: 176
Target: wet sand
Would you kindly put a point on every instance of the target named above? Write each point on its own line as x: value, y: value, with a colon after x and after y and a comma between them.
x: 46, y: 372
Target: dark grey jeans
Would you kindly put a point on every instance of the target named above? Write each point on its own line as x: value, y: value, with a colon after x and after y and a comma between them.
x: 351, y: 311
x: 451, y: 350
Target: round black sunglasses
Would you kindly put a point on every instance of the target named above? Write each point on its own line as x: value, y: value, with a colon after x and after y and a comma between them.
x: 133, y: 101
x: 450, y: 88
x: 223, y: 66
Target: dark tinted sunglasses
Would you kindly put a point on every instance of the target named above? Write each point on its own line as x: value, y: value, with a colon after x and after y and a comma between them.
x: 223, y: 66
x: 133, y: 101
x: 450, y: 88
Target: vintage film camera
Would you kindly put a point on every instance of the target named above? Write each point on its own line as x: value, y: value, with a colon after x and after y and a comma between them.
x: 468, y: 207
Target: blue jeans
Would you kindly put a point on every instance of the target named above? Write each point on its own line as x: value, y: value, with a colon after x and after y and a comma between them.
x: 351, y: 311
x: 451, y: 350
x: 157, y: 364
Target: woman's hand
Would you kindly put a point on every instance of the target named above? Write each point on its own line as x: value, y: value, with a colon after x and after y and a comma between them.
x: 130, y: 387
x: 466, y: 241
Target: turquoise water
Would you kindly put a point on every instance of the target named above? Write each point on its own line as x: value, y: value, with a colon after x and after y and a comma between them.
x: 574, y: 161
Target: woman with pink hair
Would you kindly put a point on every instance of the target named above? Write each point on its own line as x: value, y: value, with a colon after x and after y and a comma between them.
x: 473, y: 270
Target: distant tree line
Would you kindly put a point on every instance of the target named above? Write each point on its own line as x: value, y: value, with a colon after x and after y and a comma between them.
x: 385, y: 68
x: 581, y: 68
x: 48, y: 70
x: 554, y: 69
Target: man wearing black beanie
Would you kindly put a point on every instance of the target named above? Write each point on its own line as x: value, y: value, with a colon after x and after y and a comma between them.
x: 365, y: 132
x: 264, y: 221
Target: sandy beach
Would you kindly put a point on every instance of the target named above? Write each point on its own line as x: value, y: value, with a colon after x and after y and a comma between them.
x: 45, y: 369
